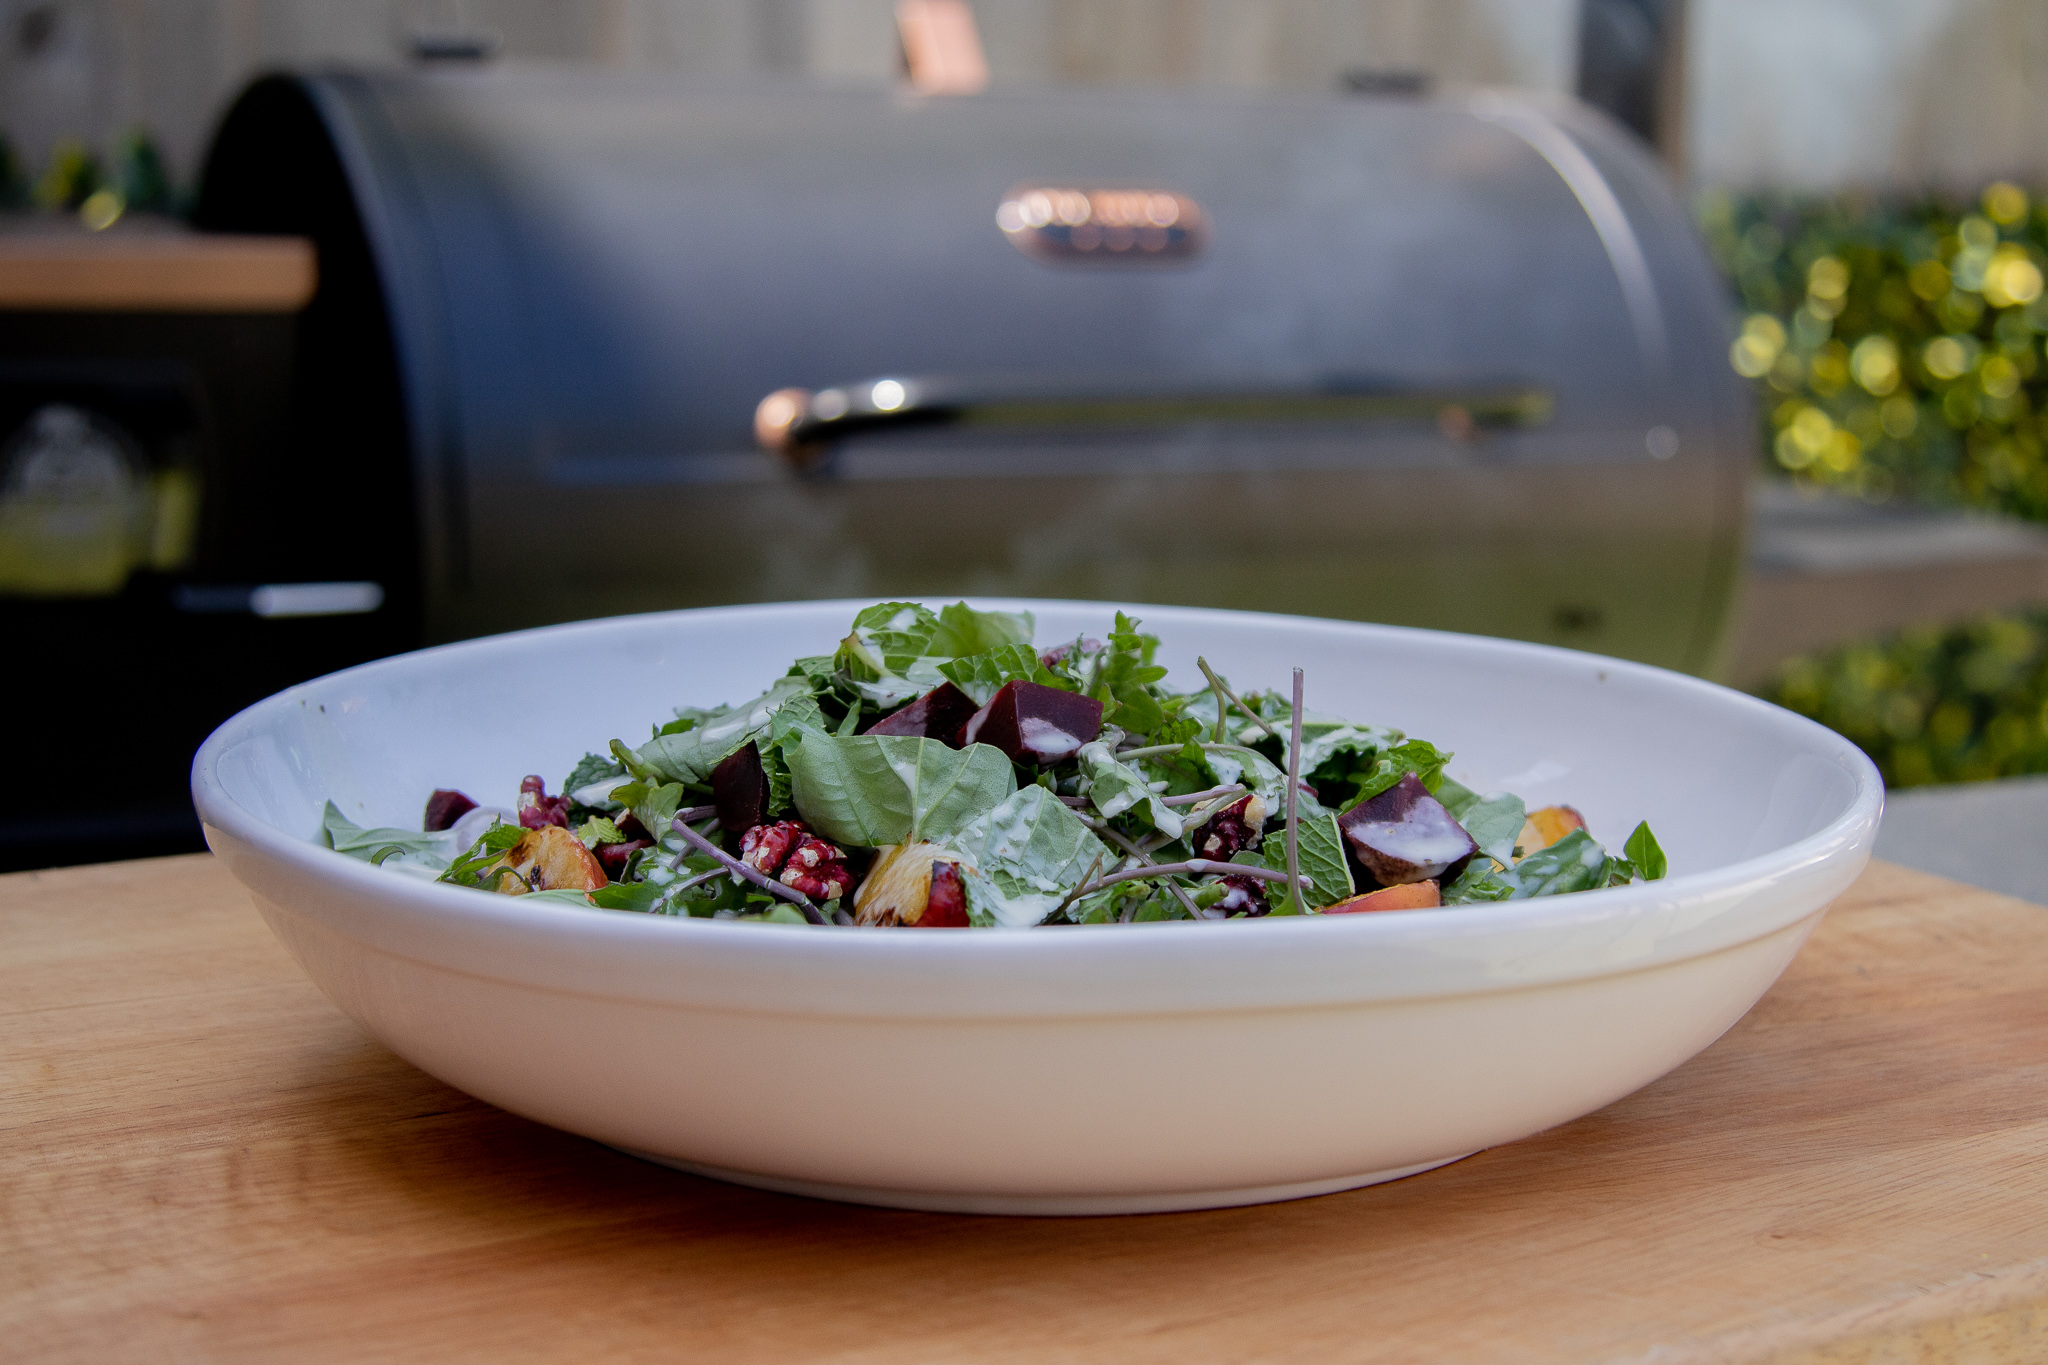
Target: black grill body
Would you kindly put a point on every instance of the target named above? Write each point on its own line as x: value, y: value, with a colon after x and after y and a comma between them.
x: 1456, y: 362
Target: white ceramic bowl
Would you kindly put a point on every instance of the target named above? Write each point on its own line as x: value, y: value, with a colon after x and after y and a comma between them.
x: 1069, y: 1070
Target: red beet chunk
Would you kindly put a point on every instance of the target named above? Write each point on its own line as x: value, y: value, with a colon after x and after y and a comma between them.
x: 538, y: 810
x: 938, y: 714
x: 1033, y: 723
x: 614, y: 856
x: 945, y: 905
x: 739, y: 789
x: 1405, y: 835
x: 444, y: 808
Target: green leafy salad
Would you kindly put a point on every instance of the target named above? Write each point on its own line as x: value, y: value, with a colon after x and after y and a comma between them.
x: 942, y: 770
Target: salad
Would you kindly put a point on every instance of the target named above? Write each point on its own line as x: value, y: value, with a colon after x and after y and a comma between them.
x: 942, y: 770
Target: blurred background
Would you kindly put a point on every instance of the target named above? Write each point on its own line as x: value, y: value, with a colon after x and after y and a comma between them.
x: 1707, y: 332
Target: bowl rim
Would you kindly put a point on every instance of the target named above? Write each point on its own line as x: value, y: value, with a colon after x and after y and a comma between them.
x: 1850, y: 834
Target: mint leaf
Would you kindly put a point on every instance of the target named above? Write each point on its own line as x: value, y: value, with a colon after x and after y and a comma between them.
x: 591, y: 768
x: 1318, y: 845
x: 870, y: 790
x: 893, y: 633
x: 1026, y: 854
x: 979, y: 675
x: 598, y: 830
x: 1416, y: 756
x: 1647, y: 855
x: 469, y: 869
x: 1480, y: 882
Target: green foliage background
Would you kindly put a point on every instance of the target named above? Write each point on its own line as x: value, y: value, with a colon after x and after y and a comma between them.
x: 1897, y: 350
x: 1897, y: 346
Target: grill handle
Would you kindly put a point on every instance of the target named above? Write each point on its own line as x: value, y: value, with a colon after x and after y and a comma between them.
x: 802, y: 427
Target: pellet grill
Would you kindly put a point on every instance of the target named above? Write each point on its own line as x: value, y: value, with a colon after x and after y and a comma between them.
x: 592, y: 343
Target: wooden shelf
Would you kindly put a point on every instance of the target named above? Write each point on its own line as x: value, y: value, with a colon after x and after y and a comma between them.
x: 154, y: 272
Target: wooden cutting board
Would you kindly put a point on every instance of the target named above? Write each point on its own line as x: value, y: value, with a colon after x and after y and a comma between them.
x: 203, y: 1160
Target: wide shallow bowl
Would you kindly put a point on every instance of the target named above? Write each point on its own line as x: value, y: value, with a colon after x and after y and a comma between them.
x: 1065, y: 1070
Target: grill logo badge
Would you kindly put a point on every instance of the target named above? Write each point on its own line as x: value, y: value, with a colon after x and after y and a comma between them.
x: 1103, y: 226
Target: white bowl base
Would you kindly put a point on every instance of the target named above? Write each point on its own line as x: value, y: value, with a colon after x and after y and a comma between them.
x: 1044, y: 1205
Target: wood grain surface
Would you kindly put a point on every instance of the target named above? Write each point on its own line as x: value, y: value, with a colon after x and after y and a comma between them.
x: 179, y: 272
x: 203, y: 1160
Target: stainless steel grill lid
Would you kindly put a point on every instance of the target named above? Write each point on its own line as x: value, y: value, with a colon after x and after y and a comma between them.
x: 1456, y: 362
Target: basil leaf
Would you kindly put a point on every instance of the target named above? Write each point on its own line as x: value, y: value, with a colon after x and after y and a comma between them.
x: 1026, y: 855
x: 690, y: 756
x: 1494, y: 822
x: 1115, y: 787
x: 870, y: 790
x: 1647, y: 855
x: 1574, y: 863
x: 1319, y: 846
x: 375, y: 845
x: 963, y: 631
x: 640, y: 896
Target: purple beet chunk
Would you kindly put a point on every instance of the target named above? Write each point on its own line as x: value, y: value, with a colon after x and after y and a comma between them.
x: 1033, y: 723
x: 739, y: 789
x: 938, y: 714
x: 444, y: 808
x: 1405, y: 835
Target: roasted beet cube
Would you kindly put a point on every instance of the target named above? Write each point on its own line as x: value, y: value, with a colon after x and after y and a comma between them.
x: 538, y: 810
x: 444, y: 808
x: 945, y: 905
x: 938, y: 714
x: 1405, y: 835
x: 739, y: 789
x: 1033, y: 723
x: 614, y: 857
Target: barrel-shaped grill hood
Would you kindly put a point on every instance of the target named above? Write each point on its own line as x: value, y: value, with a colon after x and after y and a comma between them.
x: 1404, y: 359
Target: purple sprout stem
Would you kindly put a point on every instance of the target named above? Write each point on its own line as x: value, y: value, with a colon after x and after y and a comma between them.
x: 1193, y: 867
x: 772, y: 887
x: 1221, y: 693
x: 1187, y: 901
x: 1197, y: 798
x: 1294, y: 800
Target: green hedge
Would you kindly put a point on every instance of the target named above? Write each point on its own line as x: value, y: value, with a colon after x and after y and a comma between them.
x: 1938, y: 704
x: 1897, y: 346
x: 1897, y: 352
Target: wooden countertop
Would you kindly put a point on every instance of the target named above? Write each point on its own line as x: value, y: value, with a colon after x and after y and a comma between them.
x: 154, y: 272
x: 203, y: 1160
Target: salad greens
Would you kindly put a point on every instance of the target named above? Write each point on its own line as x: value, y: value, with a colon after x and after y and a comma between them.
x: 940, y: 769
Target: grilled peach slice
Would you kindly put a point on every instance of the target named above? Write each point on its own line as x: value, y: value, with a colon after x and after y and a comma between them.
x: 1407, y: 896
x: 900, y: 889
x: 1545, y: 827
x: 546, y: 859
